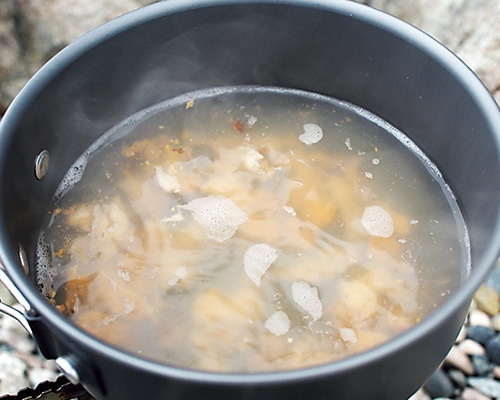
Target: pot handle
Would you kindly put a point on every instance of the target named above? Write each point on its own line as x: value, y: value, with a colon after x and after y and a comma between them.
x: 29, y: 318
x: 11, y: 311
x: 16, y: 314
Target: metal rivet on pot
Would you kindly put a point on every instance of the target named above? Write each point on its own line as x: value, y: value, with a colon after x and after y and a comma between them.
x: 23, y: 258
x: 66, y: 367
x: 42, y: 162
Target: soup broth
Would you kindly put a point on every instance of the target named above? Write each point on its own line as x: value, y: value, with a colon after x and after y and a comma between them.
x: 250, y: 229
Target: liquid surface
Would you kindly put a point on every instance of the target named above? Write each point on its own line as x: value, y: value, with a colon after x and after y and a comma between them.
x: 251, y: 229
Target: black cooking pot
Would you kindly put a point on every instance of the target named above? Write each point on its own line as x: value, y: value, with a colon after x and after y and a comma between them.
x: 336, y: 48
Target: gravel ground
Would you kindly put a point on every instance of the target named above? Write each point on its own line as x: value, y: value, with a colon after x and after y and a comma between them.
x: 20, y: 365
x: 472, y: 369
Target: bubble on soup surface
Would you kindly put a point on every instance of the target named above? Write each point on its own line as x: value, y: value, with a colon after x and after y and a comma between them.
x: 73, y: 175
x: 378, y: 222
x: 257, y: 260
x: 45, y: 272
x: 307, y: 298
x: 312, y: 134
x: 278, y: 323
x: 218, y: 215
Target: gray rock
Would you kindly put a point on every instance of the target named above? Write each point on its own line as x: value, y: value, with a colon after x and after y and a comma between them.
x: 458, y: 378
x: 439, y: 385
x: 487, y: 386
x: 494, y: 279
x: 481, y: 364
x: 470, y: 28
x: 32, y: 31
x: 480, y: 334
x: 493, y: 349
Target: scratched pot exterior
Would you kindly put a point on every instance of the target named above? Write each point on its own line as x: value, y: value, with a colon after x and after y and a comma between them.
x: 332, y: 47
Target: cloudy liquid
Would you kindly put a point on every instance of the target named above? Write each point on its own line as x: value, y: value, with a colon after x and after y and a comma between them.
x: 251, y: 229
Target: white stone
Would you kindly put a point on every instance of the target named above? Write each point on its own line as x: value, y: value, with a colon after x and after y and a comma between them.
x: 420, y: 395
x: 471, y: 347
x: 479, y: 317
x: 462, y: 334
x: 37, y: 375
x: 460, y: 360
x: 473, y: 394
x: 12, y: 373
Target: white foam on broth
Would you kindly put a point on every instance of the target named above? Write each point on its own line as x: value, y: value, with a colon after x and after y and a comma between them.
x: 312, y: 134
x: 377, y: 221
x: 307, y: 298
x: 278, y: 323
x: 257, y: 260
x: 218, y: 215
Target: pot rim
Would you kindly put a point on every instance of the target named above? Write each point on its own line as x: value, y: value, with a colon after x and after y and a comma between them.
x: 368, y: 15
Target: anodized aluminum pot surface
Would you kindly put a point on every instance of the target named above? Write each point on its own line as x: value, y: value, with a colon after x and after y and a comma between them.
x: 333, y: 47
